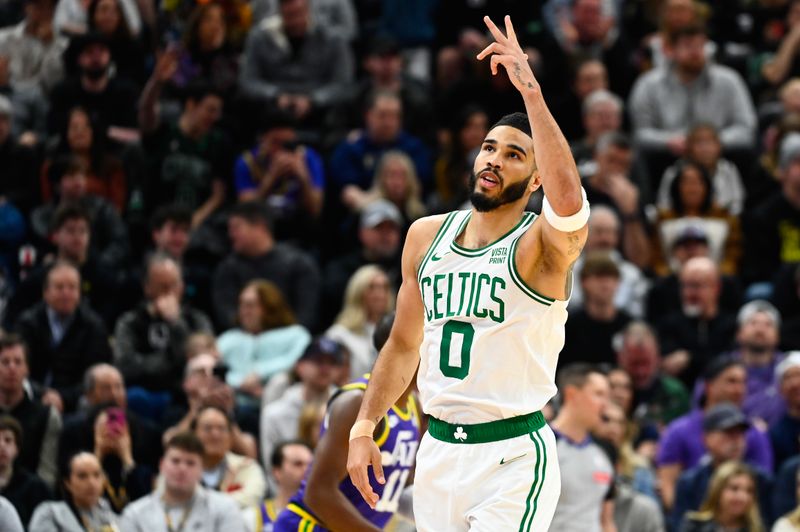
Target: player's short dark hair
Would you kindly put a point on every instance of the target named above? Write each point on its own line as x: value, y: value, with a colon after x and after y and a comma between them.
x: 178, y: 214
x: 67, y: 213
x: 9, y: 424
x: 382, y: 331
x: 516, y: 120
x: 276, y: 458
x: 253, y: 212
x: 577, y: 374
x: 185, y: 441
x: 685, y: 32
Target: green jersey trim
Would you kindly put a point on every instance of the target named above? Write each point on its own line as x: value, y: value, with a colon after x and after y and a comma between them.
x: 517, y: 278
x: 502, y: 429
x: 477, y: 252
x: 436, y: 239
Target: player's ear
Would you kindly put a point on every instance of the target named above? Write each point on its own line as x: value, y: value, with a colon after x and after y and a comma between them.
x: 535, y: 181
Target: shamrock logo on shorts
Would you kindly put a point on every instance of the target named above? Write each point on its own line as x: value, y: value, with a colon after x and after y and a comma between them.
x: 459, y: 434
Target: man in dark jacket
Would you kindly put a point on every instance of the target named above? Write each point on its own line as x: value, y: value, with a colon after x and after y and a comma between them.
x: 149, y: 349
x: 256, y: 255
x: 64, y: 338
x: 21, y: 487
x: 40, y: 423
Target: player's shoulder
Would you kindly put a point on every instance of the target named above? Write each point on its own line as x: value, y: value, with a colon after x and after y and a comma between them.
x: 424, y: 229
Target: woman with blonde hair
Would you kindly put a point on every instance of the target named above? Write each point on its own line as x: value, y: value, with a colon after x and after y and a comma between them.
x: 367, y: 298
x: 730, y: 504
x: 396, y: 181
x: 268, y: 340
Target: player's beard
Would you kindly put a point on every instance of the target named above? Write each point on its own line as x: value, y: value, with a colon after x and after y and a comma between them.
x: 510, y: 194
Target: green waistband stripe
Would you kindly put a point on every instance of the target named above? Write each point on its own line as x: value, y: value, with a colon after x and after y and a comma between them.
x: 502, y: 429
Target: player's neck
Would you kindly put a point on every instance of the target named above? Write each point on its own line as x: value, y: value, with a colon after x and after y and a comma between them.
x: 567, y: 424
x: 484, y: 228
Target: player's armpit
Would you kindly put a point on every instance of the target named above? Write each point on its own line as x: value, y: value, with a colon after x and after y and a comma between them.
x: 322, y: 493
x: 562, y: 247
x: 544, y: 257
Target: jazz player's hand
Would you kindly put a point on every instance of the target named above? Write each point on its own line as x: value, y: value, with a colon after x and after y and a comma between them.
x: 363, y: 453
x: 506, y: 51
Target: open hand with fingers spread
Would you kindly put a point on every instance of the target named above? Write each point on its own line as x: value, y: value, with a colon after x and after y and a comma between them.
x: 506, y: 51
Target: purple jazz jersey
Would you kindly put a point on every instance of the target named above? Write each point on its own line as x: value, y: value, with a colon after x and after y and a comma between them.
x: 398, y: 444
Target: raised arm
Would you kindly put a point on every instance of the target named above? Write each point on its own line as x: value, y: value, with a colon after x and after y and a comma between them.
x: 396, y: 363
x: 561, y: 234
x: 165, y: 68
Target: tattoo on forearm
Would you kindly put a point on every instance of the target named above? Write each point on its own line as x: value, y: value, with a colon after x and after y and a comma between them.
x: 518, y: 75
x: 574, y: 246
x: 518, y: 72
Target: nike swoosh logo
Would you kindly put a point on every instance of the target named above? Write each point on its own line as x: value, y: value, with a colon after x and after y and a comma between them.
x: 434, y: 258
x: 503, y: 461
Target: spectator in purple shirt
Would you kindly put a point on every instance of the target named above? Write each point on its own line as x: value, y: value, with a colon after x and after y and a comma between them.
x: 785, y: 433
x: 682, y: 444
x: 758, y: 337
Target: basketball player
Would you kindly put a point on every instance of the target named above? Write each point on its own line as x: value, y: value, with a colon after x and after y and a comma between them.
x: 327, y: 500
x: 481, y: 310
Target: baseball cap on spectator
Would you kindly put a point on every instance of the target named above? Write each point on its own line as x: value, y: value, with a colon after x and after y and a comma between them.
x: 757, y: 306
x: 323, y: 347
x: 690, y: 233
x: 5, y: 106
x: 380, y: 211
x: 790, y: 150
x: 792, y: 360
x: 724, y: 416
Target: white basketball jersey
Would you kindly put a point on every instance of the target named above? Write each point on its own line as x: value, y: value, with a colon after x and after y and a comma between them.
x: 491, y: 343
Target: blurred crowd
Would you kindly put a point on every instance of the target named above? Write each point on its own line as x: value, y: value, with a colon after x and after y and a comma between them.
x: 203, y: 205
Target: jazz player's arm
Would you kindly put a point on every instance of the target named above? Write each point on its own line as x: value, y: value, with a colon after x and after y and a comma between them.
x: 398, y: 359
x: 544, y: 252
x: 330, y: 467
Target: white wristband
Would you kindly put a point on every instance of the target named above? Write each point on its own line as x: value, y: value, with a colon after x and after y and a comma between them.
x: 567, y: 224
x: 361, y: 428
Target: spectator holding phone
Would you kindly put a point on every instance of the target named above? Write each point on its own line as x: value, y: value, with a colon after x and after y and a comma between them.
x: 126, y: 480
x: 283, y: 173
